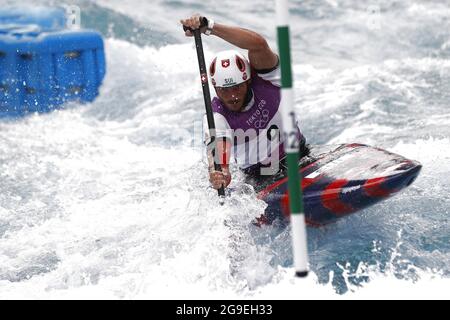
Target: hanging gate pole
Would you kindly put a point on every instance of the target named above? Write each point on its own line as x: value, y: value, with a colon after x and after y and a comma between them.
x: 291, y: 143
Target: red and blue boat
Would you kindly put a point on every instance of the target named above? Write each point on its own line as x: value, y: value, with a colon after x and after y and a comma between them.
x: 338, y: 181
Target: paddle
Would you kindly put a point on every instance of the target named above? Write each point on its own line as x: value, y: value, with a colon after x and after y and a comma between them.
x: 207, y: 99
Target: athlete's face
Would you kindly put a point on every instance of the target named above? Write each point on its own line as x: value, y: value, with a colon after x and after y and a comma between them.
x: 233, y: 97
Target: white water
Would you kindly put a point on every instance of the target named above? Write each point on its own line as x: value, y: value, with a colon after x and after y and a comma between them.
x: 111, y: 200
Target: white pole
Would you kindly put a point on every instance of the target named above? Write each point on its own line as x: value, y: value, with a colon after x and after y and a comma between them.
x: 291, y: 143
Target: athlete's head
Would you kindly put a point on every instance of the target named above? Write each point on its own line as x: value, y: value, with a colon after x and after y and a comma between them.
x: 230, y: 75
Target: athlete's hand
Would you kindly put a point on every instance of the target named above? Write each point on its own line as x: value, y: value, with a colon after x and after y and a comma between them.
x: 219, y: 179
x: 193, y: 22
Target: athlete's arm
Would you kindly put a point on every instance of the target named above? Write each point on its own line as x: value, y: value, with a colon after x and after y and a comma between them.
x: 259, y: 53
x: 217, y: 178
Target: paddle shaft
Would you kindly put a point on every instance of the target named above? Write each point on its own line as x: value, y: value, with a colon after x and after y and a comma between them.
x: 207, y: 98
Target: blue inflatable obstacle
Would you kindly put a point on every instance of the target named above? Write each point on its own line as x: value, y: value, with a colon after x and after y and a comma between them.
x: 43, y: 65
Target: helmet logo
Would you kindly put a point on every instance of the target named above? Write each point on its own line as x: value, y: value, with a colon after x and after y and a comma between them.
x: 240, y: 64
x: 226, y: 63
x: 229, y: 81
x: 212, y: 67
x: 244, y: 76
x: 204, y: 78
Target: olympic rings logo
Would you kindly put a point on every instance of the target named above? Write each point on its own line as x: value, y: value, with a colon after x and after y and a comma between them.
x: 261, y: 123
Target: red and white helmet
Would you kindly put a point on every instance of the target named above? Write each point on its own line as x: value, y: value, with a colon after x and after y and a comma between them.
x: 229, y: 68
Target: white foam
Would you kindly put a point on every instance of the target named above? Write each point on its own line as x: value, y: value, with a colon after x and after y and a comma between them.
x: 102, y: 201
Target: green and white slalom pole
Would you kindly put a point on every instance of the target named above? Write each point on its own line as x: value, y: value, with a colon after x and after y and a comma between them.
x: 291, y: 143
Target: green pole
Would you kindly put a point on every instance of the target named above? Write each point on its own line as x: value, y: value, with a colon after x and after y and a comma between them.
x: 291, y: 143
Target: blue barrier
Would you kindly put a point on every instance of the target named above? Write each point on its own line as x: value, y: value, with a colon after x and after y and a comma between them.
x: 41, y: 70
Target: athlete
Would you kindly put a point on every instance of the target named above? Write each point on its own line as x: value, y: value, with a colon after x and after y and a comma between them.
x: 246, y: 109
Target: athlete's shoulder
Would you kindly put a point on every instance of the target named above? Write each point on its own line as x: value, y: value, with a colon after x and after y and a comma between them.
x: 217, y: 105
x: 272, y: 75
x: 262, y: 72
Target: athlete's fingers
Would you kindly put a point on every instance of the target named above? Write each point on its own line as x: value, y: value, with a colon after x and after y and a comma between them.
x: 217, y: 179
x: 220, y: 184
x: 195, y: 21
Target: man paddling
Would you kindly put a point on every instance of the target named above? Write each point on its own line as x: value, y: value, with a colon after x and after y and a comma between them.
x: 246, y: 109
